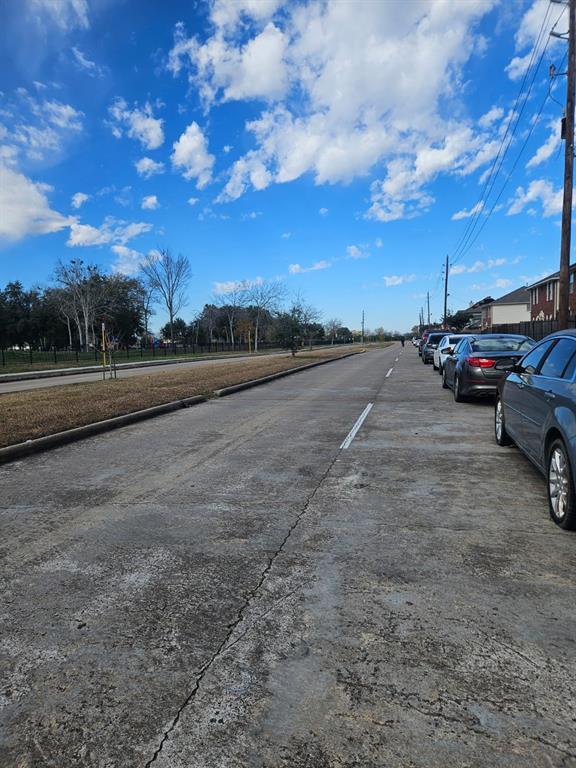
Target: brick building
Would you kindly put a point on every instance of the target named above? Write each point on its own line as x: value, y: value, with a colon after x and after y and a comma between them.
x: 544, y: 296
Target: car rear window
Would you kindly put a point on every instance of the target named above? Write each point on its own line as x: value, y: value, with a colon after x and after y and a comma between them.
x: 454, y: 339
x: 435, y: 338
x: 502, y: 345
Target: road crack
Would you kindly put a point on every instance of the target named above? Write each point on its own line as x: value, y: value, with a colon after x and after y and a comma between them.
x: 224, y: 645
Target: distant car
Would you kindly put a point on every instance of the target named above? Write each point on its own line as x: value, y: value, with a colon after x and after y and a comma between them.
x: 434, y: 338
x: 415, y: 340
x: 536, y: 409
x: 444, y: 348
x: 477, y: 363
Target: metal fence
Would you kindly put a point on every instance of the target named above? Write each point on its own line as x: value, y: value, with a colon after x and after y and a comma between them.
x: 536, y: 329
x: 34, y: 358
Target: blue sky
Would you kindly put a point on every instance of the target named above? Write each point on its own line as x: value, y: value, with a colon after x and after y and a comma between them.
x: 337, y: 146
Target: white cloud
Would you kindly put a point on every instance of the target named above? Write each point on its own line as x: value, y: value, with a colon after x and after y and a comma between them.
x: 128, y: 261
x: 465, y: 214
x: 138, y: 123
x: 541, y: 191
x: 193, y: 200
x: 344, y: 122
x: 393, y: 280
x: 25, y: 208
x: 39, y: 128
x: 111, y: 231
x: 354, y: 252
x: 230, y: 286
x: 65, y: 14
x: 150, y: 203
x: 527, y: 34
x: 458, y: 269
x: 490, y: 117
x: 286, y: 235
x: 84, y: 63
x: 323, y: 211
x: 229, y: 70
x: 297, y: 269
x: 502, y: 283
x: 79, y: 199
x: 192, y: 157
x: 378, y: 242
x: 548, y: 148
x: 147, y: 167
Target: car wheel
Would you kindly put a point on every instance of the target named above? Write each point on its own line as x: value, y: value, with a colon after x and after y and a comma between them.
x: 502, y: 436
x: 440, y: 369
x: 444, y: 382
x: 561, y: 498
x: 434, y: 366
x: 458, y: 396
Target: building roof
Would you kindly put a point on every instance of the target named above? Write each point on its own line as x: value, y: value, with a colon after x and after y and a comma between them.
x: 519, y: 296
x: 553, y: 276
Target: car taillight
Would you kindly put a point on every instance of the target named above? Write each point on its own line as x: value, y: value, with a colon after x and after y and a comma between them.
x: 481, y: 362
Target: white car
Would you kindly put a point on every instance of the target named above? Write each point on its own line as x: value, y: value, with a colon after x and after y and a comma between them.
x: 445, y: 348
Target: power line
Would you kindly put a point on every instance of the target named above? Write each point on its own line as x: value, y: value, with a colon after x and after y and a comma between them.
x: 512, y: 126
x: 506, y: 142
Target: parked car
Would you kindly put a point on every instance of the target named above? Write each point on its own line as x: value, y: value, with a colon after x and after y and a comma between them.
x: 434, y: 338
x: 536, y: 409
x: 445, y: 348
x: 422, y: 342
x: 477, y: 363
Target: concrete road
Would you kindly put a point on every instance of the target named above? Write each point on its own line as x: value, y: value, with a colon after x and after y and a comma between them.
x: 123, y: 373
x: 228, y: 587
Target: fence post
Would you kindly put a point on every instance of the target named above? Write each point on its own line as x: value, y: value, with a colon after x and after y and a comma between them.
x: 55, y: 358
x: 30, y: 350
x: 3, y: 358
x: 77, y: 355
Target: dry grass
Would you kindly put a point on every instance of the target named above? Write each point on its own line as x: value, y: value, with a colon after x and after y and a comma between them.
x: 35, y: 413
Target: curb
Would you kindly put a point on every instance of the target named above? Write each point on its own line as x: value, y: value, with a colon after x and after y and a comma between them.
x: 273, y: 376
x: 13, y: 452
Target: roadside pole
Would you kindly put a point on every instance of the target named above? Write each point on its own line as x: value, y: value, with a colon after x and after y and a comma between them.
x: 447, y: 267
x: 564, y: 278
x: 103, y: 352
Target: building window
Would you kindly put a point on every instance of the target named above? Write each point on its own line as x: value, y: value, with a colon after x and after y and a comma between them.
x: 534, y: 296
x: 572, y: 281
x: 549, y: 291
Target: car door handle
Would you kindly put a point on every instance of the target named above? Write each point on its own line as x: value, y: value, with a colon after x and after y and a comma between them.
x: 549, y: 395
x: 520, y: 384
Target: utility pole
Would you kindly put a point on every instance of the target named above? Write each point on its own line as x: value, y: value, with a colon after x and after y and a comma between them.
x: 447, y: 267
x: 362, y: 342
x: 428, y: 299
x: 564, y: 281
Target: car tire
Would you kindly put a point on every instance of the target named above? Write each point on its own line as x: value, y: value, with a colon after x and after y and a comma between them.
x: 500, y: 433
x: 560, y: 486
x: 444, y: 382
x: 440, y: 369
x: 434, y: 367
x: 458, y: 396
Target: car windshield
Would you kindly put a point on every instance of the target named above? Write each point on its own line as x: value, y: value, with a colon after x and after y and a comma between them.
x: 502, y: 345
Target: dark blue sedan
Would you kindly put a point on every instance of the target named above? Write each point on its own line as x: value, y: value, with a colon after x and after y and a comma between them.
x: 536, y: 409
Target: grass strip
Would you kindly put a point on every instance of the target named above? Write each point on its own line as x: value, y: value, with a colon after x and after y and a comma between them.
x: 35, y: 413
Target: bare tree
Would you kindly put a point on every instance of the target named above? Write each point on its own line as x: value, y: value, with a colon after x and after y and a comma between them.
x: 309, y: 318
x: 231, y: 302
x: 264, y: 297
x: 168, y: 277
x: 82, y: 285
x: 332, y: 327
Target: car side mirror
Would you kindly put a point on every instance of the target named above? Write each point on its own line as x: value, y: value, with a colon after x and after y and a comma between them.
x: 516, y: 368
x: 448, y: 351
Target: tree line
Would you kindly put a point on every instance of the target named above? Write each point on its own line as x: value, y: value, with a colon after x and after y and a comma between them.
x: 70, y: 313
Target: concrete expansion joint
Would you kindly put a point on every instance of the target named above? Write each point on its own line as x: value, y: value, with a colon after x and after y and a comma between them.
x: 224, y: 645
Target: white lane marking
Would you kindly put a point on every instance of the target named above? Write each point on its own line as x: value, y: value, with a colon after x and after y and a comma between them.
x: 395, y: 359
x: 389, y: 372
x: 360, y: 420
